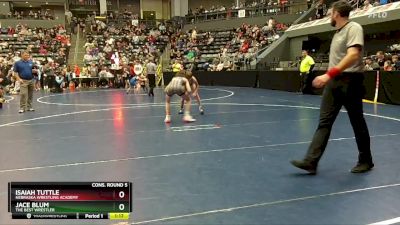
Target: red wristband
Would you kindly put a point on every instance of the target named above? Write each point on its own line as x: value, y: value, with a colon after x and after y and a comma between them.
x: 333, y: 72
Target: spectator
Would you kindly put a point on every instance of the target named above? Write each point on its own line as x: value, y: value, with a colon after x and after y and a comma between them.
x: 59, y: 82
x: 367, y: 5
x: 162, y: 28
x: 42, y: 51
x: 245, y: 46
x: 396, y: 62
x: 320, y: 10
x: 4, y: 79
x: 68, y: 16
x: 49, y: 75
x: 107, y: 49
x: 191, y: 55
x: 77, y: 71
x: 87, y: 58
x: 93, y: 70
x: 104, y: 77
x: 214, y: 65
x: 388, y: 66
x: 247, y: 40
x: 194, y: 34
x: 228, y: 65
x: 271, y: 23
x: 271, y: 3
x: 371, y: 65
x: 28, y: 14
x: 383, y: 2
x: 2, y: 99
x: 220, y: 66
x: 380, y: 58
x: 210, y: 39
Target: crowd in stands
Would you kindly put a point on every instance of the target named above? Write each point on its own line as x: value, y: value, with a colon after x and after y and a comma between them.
x: 252, y: 9
x: 367, y: 4
x: 126, y: 15
x: 90, y: 24
x: 48, y: 48
x: 242, y: 5
x: 38, y: 14
x: 322, y: 10
x: 384, y: 61
x: 222, y: 50
x: 81, y: 23
x: 116, y: 52
x: 381, y: 61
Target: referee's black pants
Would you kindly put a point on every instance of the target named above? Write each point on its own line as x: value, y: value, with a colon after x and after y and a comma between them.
x: 306, y: 82
x: 345, y: 90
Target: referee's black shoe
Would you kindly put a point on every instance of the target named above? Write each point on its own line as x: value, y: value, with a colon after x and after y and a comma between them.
x: 301, y: 164
x: 362, y: 167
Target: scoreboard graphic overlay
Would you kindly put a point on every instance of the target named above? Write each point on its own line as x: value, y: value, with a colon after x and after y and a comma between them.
x: 70, y: 200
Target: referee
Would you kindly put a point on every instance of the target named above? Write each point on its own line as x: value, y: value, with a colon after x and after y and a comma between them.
x: 151, y: 75
x: 306, y: 66
x: 23, y: 71
x: 344, y: 87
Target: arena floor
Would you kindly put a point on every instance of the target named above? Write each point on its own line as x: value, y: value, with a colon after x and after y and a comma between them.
x: 230, y: 167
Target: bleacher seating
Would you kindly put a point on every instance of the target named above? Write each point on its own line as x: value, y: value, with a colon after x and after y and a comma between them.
x: 262, y: 8
x: 100, y: 43
x: 225, y: 46
x: 49, y: 49
x: 18, y: 46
